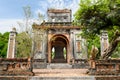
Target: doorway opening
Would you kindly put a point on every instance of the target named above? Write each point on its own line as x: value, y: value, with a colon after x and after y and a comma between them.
x: 59, y: 49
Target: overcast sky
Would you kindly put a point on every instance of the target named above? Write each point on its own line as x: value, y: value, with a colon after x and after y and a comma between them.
x: 11, y: 11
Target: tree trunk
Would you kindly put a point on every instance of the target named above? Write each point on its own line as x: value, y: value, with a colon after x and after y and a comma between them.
x: 108, y: 52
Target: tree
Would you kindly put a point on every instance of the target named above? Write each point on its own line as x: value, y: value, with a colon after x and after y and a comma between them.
x: 24, y: 38
x: 3, y: 44
x: 113, y: 45
x: 24, y: 44
x: 26, y: 25
x: 28, y: 16
x: 97, y: 15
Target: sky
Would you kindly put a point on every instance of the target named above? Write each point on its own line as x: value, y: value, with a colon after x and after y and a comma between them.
x: 11, y: 11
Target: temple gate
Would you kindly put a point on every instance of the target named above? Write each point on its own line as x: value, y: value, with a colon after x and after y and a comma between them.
x: 58, y: 40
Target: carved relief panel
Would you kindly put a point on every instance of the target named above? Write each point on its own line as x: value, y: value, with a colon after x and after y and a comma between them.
x: 78, y: 43
x: 38, y: 38
x: 77, y: 46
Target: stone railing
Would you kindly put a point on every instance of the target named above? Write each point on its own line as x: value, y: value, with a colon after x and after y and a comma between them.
x: 104, y: 67
x: 80, y: 63
x: 39, y: 63
x: 15, y: 66
x: 81, y: 60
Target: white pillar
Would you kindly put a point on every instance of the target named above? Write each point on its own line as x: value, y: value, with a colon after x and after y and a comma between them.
x: 11, y: 44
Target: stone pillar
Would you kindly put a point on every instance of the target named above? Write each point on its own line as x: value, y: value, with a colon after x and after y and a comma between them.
x: 80, y: 46
x: 11, y: 44
x: 71, y: 44
x: 104, y: 41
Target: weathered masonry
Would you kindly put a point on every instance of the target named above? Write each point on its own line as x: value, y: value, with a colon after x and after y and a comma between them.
x: 58, y: 40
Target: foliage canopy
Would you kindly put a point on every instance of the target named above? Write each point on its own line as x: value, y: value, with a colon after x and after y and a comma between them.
x: 24, y: 44
x: 96, y: 15
x: 3, y: 44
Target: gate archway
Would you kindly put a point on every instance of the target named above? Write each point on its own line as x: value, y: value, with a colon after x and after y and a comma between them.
x: 58, y: 49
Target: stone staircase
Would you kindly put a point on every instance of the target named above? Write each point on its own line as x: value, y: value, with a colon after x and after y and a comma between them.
x: 60, y: 71
x: 61, y: 74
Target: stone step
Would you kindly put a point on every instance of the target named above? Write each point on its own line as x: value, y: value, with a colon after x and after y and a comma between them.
x: 110, y: 77
x: 59, y: 66
x: 45, y: 78
x: 59, y: 61
x: 61, y: 74
x: 63, y: 78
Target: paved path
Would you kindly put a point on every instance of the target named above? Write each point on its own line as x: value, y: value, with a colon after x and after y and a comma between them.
x: 60, y: 72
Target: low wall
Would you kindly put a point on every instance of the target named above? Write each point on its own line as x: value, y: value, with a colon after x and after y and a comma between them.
x: 39, y: 64
x: 104, y: 67
x: 15, y: 66
x: 80, y: 64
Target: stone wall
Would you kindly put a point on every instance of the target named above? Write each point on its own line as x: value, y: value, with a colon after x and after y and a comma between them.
x: 39, y: 64
x: 15, y: 67
x: 104, y: 67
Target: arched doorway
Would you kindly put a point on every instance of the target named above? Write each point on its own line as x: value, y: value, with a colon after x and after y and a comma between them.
x: 58, y: 49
